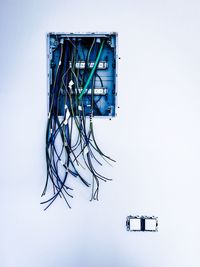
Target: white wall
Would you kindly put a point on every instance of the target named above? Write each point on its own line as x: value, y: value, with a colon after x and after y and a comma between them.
x: 155, y: 138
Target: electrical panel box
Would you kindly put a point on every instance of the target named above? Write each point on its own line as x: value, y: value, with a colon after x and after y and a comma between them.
x: 86, y: 80
x: 82, y: 84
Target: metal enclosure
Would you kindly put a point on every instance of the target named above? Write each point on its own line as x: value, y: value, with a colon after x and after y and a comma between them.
x: 81, y: 50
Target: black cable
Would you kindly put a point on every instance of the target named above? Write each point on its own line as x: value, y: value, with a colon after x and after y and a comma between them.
x: 66, y: 157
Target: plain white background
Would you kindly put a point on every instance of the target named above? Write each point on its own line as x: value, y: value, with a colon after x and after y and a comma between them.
x: 155, y: 138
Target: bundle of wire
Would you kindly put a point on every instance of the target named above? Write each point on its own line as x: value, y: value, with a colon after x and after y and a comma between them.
x: 65, y: 156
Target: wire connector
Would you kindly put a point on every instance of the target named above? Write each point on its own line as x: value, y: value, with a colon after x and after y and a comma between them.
x: 80, y: 108
x: 71, y: 83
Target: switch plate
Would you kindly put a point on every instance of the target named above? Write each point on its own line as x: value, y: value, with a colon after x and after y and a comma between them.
x: 142, y: 223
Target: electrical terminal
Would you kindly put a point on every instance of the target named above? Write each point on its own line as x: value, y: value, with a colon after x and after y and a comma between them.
x: 81, y: 65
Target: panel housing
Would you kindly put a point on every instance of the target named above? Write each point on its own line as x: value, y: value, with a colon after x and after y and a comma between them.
x: 79, y: 52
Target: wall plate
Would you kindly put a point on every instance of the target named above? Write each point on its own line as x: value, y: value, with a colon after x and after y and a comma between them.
x: 142, y: 223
